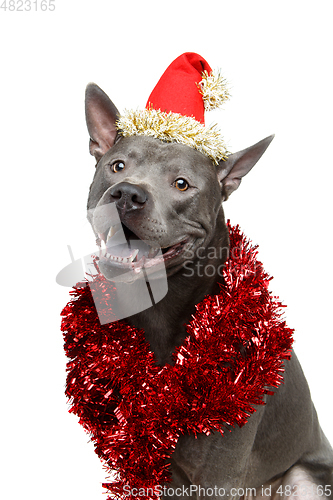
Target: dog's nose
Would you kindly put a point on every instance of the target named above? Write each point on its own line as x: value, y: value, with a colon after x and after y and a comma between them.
x: 128, y: 196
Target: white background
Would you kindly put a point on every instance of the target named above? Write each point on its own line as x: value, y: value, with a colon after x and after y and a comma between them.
x: 277, y: 57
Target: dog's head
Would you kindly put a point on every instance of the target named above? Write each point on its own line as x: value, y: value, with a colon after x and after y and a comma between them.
x: 168, y: 196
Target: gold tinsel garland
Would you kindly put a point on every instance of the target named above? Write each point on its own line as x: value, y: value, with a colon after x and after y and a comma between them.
x: 174, y: 127
x: 213, y: 89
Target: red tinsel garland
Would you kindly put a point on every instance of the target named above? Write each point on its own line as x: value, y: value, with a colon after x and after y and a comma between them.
x: 134, y: 410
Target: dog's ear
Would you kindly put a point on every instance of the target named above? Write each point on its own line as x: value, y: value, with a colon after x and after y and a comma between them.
x: 101, y: 116
x: 231, y: 171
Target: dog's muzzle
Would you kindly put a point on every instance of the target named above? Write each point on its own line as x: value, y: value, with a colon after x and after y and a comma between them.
x: 122, y: 250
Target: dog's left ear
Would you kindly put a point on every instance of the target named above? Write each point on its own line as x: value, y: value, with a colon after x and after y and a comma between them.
x: 101, y: 116
x: 231, y: 171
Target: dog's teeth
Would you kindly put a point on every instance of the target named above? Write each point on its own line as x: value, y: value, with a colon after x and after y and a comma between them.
x: 111, y: 233
x: 103, y: 245
x: 113, y: 230
x: 152, y: 252
x: 124, y: 260
x: 134, y: 254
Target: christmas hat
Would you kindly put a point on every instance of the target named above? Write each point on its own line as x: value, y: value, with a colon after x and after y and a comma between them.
x: 175, y: 109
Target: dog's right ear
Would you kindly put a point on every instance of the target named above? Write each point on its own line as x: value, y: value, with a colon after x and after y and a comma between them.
x: 101, y: 116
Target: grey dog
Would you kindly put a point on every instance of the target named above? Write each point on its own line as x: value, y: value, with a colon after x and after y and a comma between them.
x: 171, y: 195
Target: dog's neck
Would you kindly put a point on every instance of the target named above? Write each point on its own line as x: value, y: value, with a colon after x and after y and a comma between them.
x: 164, y: 324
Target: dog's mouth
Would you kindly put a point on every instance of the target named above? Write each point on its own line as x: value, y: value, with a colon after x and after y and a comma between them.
x: 122, y: 250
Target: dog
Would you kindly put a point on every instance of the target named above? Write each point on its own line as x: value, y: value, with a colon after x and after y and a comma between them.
x: 171, y: 196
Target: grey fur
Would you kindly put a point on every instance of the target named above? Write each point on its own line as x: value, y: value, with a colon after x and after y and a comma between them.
x: 282, y: 444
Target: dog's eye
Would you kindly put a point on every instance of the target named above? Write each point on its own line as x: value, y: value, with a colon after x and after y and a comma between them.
x: 181, y: 184
x: 118, y: 166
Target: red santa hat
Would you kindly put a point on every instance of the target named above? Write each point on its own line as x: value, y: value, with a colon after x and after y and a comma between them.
x: 175, y: 109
